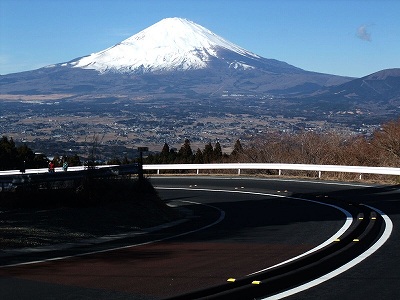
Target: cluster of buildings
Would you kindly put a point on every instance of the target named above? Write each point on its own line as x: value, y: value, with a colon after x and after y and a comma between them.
x: 118, y: 129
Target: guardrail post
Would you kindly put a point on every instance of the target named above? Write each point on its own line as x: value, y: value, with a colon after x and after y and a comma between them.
x: 280, y: 172
x: 360, y: 176
x: 238, y: 171
x: 158, y: 172
x: 197, y: 172
x: 141, y: 150
x: 140, y: 173
x: 319, y: 174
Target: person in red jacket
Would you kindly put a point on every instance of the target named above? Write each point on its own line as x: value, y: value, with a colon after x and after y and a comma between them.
x: 51, y: 167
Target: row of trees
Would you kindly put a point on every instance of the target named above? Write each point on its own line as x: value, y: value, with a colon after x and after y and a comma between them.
x: 380, y: 149
x: 22, y: 157
x: 13, y: 157
x: 185, y: 154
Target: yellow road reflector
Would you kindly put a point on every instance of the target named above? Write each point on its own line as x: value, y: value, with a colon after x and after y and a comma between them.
x: 231, y: 280
x: 337, y: 240
x: 356, y: 240
x: 361, y: 218
x: 373, y: 218
x: 256, y: 282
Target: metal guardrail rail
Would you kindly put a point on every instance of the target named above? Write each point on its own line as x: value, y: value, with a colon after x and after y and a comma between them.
x: 15, y: 177
x: 280, y: 167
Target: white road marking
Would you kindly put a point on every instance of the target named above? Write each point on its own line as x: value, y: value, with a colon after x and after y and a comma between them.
x: 346, y: 225
x: 349, y: 220
x: 385, y: 236
x: 221, y: 217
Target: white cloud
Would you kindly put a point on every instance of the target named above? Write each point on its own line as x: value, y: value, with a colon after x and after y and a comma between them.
x: 120, y: 32
x: 363, y: 33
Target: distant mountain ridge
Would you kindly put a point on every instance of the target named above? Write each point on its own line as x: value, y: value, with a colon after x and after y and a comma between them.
x: 381, y: 85
x: 177, y: 58
x: 174, y: 56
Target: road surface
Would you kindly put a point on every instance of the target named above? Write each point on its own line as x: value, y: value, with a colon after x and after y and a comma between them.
x: 226, y: 235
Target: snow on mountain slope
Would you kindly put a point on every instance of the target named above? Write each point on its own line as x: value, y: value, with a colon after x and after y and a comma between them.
x: 171, y: 51
x: 169, y: 45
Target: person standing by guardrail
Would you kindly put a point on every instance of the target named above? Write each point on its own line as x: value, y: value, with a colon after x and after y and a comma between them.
x: 51, y: 167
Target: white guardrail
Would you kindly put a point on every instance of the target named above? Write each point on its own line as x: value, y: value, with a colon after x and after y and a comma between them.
x: 242, y: 166
x: 279, y: 167
x: 46, y: 170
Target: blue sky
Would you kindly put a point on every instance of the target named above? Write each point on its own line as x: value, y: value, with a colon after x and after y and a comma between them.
x: 343, y: 37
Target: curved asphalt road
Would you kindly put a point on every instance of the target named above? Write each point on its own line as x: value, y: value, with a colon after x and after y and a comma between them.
x: 248, y: 233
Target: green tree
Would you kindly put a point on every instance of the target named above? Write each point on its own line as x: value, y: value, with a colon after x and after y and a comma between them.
x: 21, y: 157
x: 25, y: 157
x: 172, y: 155
x: 150, y: 159
x: 8, y: 154
x: 24, y: 153
x: 237, y: 148
x: 74, y: 161
x: 40, y: 161
x: 165, y: 149
x: 217, y: 152
x: 185, y: 153
x: 165, y: 154
x: 208, y: 153
x: 198, y: 157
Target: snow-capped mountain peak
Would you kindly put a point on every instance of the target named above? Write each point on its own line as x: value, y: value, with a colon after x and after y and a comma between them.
x: 169, y: 45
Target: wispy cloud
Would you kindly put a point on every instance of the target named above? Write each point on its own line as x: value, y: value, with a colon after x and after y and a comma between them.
x: 363, y: 33
x: 120, y: 32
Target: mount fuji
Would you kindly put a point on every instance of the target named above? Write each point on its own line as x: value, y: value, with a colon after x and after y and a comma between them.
x: 174, y: 57
x: 176, y: 80
x: 172, y: 44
